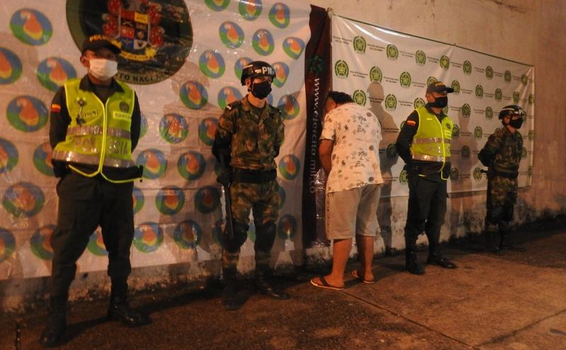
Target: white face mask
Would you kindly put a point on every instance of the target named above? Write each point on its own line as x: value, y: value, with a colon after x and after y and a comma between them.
x: 102, y: 68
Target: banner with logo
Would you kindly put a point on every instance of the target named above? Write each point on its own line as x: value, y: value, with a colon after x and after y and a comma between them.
x: 184, y: 59
x: 388, y: 72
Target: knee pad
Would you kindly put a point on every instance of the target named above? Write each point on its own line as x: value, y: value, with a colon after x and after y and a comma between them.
x: 265, y: 236
x: 240, y: 235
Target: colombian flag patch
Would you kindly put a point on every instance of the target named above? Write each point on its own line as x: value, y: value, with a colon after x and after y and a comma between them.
x: 409, y: 122
x: 55, y: 108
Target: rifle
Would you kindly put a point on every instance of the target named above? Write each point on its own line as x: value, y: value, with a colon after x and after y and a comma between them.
x: 228, y: 200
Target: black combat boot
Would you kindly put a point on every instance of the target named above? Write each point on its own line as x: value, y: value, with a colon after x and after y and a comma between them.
x: 263, y: 286
x: 437, y: 259
x: 493, y: 242
x: 55, y: 331
x: 230, y: 297
x: 507, y: 243
x: 412, y: 262
x: 120, y: 310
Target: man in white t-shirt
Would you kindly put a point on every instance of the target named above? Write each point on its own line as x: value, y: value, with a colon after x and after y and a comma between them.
x: 349, y: 153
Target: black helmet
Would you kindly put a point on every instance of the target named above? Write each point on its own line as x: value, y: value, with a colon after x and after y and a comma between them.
x: 512, y: 110
x: 256, y: 69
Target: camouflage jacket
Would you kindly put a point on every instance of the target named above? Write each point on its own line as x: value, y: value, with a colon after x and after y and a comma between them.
x: 502, y: 152
x: 252, y: 141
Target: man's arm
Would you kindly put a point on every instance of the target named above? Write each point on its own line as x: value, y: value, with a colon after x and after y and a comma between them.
x: 325, y: 154
x: 405, y: 138
x: 59, y: 120
x: 489, y: 150
x: 135, y: 127
x: 280, y: 135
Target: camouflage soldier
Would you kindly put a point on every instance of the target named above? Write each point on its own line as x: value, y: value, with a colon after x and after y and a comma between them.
x: 248, y: 138
x: 502, y: 154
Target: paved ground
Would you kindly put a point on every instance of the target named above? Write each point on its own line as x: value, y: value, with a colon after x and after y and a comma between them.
x: 515, y: 301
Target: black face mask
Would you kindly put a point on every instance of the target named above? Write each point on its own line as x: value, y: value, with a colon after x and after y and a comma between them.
x: 440, y: 102
x: 516, y: 123
x: 261, y: 90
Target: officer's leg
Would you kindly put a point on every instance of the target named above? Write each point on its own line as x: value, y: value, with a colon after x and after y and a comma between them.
x: 240, y: 194
x: 265, y: 211
x: 419, y: 201
x: 434, y: 223
x: 118, y: 232
x: 492, y: 220
x: 76, y: 221
x: 504, y: 229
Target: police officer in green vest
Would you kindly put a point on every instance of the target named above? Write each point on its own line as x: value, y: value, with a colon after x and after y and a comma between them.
x: 95, y: 126
x: 424, y: 144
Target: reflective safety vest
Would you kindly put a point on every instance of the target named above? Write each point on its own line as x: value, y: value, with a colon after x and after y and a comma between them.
x: 431, y: 142
x: 99, y: 134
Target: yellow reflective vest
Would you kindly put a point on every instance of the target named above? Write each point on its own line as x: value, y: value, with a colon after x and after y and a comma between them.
x: 99, y: 134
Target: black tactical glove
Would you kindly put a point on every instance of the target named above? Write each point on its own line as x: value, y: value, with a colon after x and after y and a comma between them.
x: 60, y: 169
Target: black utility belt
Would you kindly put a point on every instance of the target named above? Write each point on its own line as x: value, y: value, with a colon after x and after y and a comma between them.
x: 506, y: 175
x: 254, y: 176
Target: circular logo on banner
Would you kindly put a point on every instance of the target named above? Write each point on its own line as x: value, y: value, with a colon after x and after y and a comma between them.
x: 187, y: 234
x: 392, y: 52
x: 7, y: 244
x: 488, y: 113
x: 250, y: 9
x: 478, y: 132
x: 431, y: 80
x: 289, y: 167
x: 227, y: 95
x: 280, y: 15
x: 455, y: 130
x: 359, y: 97
x: 231, y: 35
x: 262, y: 42
x: 155, y: 36
x: 390, y: 102
x: 53, y: 72
x: 217, y: 230
x: 148, y: 237
x: 359, y: 44
x: 479, y: 91
x: 191, y: 165
x: 194, y: 95
x: 477, y: 174
x: 445, y: 110
x: 391, y: 151
x: 31, y: 27
x: 207, y: 199
x: 40, y: 242
x: 287, y: 227
x: 489, y: 72
x: 467, y: 67
x: 10, y: 67
x: 42, y: 159
x: 154, y: 163
x: 217, y: 5
x: 170, y: 200
x: 143, y: 126
x: 293, y: 47
x: 375, y: 74
x: 207, y: 130
x: 419, y: 102
x: 239, y: 65
x: 524, y: 153
x: 289, y: 105
x: 281, y: 74
x: 420, y: 58
x: 27, y: 113
x: 282, y: 196
x: 403, y: 177
x: 341, y: 69
x: 531, y: 135
x: 405, y: 80
x: 444, y: 62
x: 507, y: 76
x: 8, y: 156
x: 454, y: 174
x: 138, y: 199
x: 96, y: 244
x: 456, y: 86
x: 531, y: 99
x: 498, y: 94
x: 212, y: 64
x: 23, y: 199
x: 524, y: 79
x: 465, y: 152
x: 173, y: 128
x: 516, y: 96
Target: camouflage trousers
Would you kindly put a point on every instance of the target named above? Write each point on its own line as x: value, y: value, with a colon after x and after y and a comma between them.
x: 261, y: 199
x: 501, y: 197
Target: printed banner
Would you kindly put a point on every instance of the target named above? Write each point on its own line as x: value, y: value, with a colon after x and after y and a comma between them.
x: 388, y: 72
x: 184, y: 58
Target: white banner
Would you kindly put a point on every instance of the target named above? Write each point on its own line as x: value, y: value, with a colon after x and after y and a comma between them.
x: 388, y: 72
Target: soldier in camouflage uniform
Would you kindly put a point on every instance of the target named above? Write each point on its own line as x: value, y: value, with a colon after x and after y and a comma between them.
x: 502, y: 154
x: 248, y: 138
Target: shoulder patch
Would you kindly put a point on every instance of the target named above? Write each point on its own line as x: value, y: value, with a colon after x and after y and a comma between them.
x: 411, y: 123
x: 55, y: 108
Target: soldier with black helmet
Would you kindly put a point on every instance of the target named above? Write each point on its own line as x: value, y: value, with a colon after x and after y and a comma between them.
x: 502, y: 155
x: 248, y: 138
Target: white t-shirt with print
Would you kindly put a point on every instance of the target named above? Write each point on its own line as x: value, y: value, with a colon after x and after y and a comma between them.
x: 356, y: 133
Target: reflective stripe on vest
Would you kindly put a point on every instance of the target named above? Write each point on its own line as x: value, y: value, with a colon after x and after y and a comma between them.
x: 431, y: 142
x: 99, y: 134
